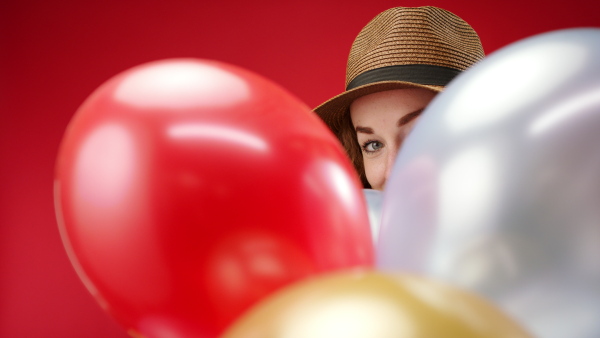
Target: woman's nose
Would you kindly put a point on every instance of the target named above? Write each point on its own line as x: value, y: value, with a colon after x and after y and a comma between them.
x: 389, y: 162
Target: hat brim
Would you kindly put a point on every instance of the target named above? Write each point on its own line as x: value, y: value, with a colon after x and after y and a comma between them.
x: 333, y: 110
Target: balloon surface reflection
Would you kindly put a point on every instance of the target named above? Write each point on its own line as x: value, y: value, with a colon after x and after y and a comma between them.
x: 497, y: 188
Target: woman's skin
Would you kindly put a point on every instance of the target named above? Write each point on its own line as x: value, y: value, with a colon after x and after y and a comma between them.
x: 382, y: 121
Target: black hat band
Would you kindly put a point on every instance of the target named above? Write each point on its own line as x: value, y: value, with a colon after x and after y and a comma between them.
x: 415, y: 73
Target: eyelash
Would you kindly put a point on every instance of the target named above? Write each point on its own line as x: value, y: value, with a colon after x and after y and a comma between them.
x: 367, y: 143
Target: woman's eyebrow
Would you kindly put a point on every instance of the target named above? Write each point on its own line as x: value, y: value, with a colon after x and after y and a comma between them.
x: 365, y: 130
x: 409, y: 117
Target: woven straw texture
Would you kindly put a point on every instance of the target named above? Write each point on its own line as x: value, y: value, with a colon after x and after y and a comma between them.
x: 404, y: 36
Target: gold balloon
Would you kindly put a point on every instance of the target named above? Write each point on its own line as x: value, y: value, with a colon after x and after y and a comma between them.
x: 362, y: 304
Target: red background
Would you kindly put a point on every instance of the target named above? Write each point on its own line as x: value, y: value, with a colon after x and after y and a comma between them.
x: 53, y: 54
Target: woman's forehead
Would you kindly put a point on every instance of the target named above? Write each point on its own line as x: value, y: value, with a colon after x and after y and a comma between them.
x: 388, y: 106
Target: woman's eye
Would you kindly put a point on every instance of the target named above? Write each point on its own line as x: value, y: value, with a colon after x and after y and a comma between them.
x: 372, y: 146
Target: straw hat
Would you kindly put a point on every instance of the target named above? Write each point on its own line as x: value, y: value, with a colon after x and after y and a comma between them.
x: 404, y: 47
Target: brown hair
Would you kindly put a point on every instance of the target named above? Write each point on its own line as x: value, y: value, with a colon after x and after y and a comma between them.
x: 347, y: 135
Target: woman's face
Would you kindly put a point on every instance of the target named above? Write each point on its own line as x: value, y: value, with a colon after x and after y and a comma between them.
x: 382, y: 120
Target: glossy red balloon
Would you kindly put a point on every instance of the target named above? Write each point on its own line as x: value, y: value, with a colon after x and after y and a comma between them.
x: 186, y: 190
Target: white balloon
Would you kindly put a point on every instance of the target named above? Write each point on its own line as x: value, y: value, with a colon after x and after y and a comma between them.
x: 374, y: 200
x: 497, y: 188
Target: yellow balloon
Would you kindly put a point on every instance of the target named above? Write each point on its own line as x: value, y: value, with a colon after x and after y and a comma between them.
x: 363, y: 304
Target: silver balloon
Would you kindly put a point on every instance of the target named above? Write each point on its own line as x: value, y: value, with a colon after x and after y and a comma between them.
x: 374, y: 200
x: 497, y: 189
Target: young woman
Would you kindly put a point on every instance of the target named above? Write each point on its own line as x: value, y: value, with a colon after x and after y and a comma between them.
x: 398, y: 63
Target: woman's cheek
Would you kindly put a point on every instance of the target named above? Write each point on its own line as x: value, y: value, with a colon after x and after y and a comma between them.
x: 375, y: 171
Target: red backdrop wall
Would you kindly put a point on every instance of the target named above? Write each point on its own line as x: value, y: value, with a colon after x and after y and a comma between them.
x: 53, y: 54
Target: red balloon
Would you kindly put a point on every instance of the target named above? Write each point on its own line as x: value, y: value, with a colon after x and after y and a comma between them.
x: 186, y: 190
